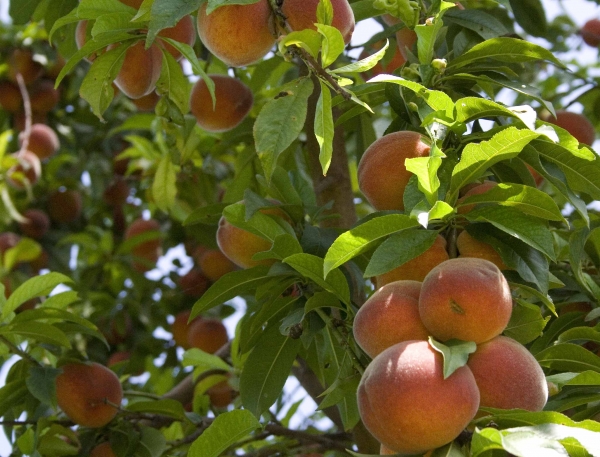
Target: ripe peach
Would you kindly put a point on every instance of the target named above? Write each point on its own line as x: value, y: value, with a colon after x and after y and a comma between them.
x: 233, y: 103
x: 465, y: 298
x: 382, y: 175
x: 140, y: 71
x: 389, y: 316
x: 221, y: 394
x: 103, y: 450
x: 474, y: 190
x: 65, y: 206
x: 116, y: 193
x: 82, y: 392
x: 43, y: 141
x: 508, y: 376
x: 538, y: 178
x: 207, y: 334
x: 577, y: 125
x: 21, y: 61
x: 179, y: 329
x: 147, y: 252
x: 408, y: 406
x: 194, y: 283
x: 26, y: 172
x: 10, y: 97
x: 240, y: 245
x: 470, y: 247
x: 38, y: 223
x: 417, y: 268
x: 43, y: 96
x: 215, y: 264
x: 183, y: 32
x: 225, y: 28
x: 147, y: 102
x: 302, y: 14
x: 590, y: 32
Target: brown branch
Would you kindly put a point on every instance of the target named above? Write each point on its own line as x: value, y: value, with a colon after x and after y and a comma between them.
x: 28, y: 115
x: 337, y: 441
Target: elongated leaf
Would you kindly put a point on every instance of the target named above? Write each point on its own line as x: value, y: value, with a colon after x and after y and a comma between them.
x: 333, y: 44
x: 40, y: 383
x: 92, y: 9
x: 280, y: 122
x: 324, y: 127
x: 21, y: 11
x: 166, y: 13
x: 470, y: 108
x: 455, y: 353
x: 173, y: 82
x: 267, y: 369
x: 361, y: 238
x: 164, y: 407
x: 526, y: 323
x: 227, y: 429
x: 364, y: 64
x: 568, y: 357
x: 164, y: 185
x: 477, y: 20
x: 530, y: 15
x: 35, y: 287
x: 12, y: 394
x: 229, y: 286
x: 43, y: 333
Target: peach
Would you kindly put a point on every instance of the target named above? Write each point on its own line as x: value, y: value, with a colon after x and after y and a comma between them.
x: 239, y: 245
x: 26, y: 172
x: 590, y: 32
x: 8, y: 240
x: 65, y: 206
x: 21, y: 61
x: 116, y: 193
x: 508, y: 376
x: 140, y: 71
x: 147, y: 102
x: 417, y: 268
x: 538, y: 178
x: 183, y: 32
x: 19, y: 119
x: 206, y: 334
x: 179, y: 329
x: 37, y: 224
x: 43, y: 96
x: 215, y: 264
x: 83, y: 390
x: 389, y: 316
x: 470, y: 247
x: 10, y: 97
x: 221, y: 394
x: 408, y: 406
x: 476, y: 189
x: 577, y: 125
x: 103, y: 450
x: 194, y: 283
x: 382, y: 175
x: 43, y: 141
x: 146, y: 253
x: 233, y: 103
x: 225, y: 28
x: 406, y: 39
x: 467, y: 299
x: 302, y: 14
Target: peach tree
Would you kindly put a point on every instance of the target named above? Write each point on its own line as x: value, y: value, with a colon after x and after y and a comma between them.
x: 168, y: 164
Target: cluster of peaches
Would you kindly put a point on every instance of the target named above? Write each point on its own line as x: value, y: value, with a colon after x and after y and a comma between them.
x: 465, y: 299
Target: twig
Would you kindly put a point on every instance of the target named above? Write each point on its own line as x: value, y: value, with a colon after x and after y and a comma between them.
x: 18, y: 351
x: 28, y: 115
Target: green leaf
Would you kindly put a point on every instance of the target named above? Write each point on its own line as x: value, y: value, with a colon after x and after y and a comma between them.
x: 92, y: 9
x: 284, y: 246
x: 25, y: 251
x: 165, y: 407
x: 428, y: 33
x: 210, y: 214
x: 449, y: 450
x: 311, y: 267
x: 113, y: 22
x: 589, y: 439
x: 12, y: 394
x: 204, y: 361
x: 478, y: 157
x: 35, y: 287
x: 227, y: 429
x: 96, y: 87
x: 455, y: 353
x: 152, y: 442
x: 43, y: 333
x: 471, y: 108
x: 21, y: 11
x: 477, y: 20
x: 362, y: 237
x: 280, y: 121
x: 568, y: 357
x: 325, y: 12
x: 504, y: 49
x: 229, y: 286
x: 399, y: 249
x: 173, y: 82
x: 309, y: 40
x: 332, y: 45
x: 167, y: 13
x: 322, y: 299
x: 426, y: 168
x: 530, y: 15
x: 526, y: 322
x: 364, y: 64
x: 164, y: 187
x: 214, y: 4
x: 259, y: 224
x: 580, y: 334
x: 324, y: 127
x: 531, y: 230
x: 41, y: 383
x: 266, y: 370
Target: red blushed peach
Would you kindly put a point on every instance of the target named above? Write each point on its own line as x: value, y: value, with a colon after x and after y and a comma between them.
x: 43, y: 141
x: 146, y: 253
x: 467, y: 299
x: 103, y: 450
x: 179, y: 329
x: 65, y: 206
x: 147, y: 103
x: 183, y: 32
x: 20, y: 61
x: 10, y: 97
x: 408, y: 406
x: 508, y: 376
x: 417, y: 268
x: 406, y: 39
x: 577, y: 125
x: 476, y: 189
x: 221, y: 394
x: 590, y: 32
x: 389, y: 316
x: 206, y: 334
x: 215, y: 264
x: 194, y: 283
x: 83, y: 390
x: 302, y: 14
x: 382, y: 174
x: 470, y: 247
x: 140, y: 71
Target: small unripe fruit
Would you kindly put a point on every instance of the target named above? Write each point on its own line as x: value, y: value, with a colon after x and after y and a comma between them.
x: 82, y: 392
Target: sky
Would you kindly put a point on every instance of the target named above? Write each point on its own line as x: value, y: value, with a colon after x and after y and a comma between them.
x: 579, y: 10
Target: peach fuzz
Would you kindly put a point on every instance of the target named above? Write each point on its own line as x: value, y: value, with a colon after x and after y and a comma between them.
x: 237, y: 34
x: 389, y: 316
x: 508, y: 376
x: 467, y: 299
x: 140, y: 71
x: 382, y: 175
x: 590, y: 32
x: 417, y: 268
x: 470, y: 247
x: 43, y: 141
x: 206, y: 334
x: 408, y: 406
x: 103, y: 450
x: 183, y: 31
x: 215, y: 264
x: 233, y: 101
x: 302, y: 14
x: 82, y: 391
